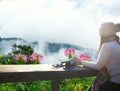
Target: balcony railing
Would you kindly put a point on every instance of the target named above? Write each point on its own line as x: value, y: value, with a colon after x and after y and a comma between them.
x: 24, y: 73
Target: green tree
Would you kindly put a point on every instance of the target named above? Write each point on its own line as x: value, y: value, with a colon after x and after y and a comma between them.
x: 22, y: 49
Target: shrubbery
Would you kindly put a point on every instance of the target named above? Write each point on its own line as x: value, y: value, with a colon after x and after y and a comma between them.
x: 21, y: 54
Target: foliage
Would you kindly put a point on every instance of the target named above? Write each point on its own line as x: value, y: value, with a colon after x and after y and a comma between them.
x: 21, y: 54
x: 3, y: 59
x: 26, y: 86
x: 22, y: 49
x: 75, y: 84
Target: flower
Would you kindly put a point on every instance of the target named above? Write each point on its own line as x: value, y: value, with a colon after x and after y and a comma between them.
x: 24, y: 57
x: 34, y: 58
x: 16, y: 56
x: 40, y: 57
x: 84, y: 57
x: 69, y: 52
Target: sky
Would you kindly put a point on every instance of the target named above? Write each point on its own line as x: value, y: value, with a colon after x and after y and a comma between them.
x: 66, y: 21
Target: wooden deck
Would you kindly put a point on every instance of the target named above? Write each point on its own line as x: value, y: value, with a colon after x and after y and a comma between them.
x: 20, y: 73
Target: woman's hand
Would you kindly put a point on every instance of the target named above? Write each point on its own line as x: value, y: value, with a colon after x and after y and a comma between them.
x: 77, y: 60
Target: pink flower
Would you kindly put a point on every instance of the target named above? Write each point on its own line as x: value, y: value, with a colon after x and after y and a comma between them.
x: 16, y: 56
x: 69, y: 50
x: 33, y: 56
x: 84, y: 57
x: 40, y: 57
x: 36, y: 56
x: 24, y: 57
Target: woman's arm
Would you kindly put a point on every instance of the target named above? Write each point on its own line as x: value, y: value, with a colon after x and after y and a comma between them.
x: 102, y: 59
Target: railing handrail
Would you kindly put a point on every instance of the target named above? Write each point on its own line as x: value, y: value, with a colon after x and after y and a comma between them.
x: 20, y: 73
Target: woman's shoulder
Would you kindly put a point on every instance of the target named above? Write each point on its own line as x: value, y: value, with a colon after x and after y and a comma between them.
x: 110, y: 44
x: 106, y: 44
x: 107, y: 48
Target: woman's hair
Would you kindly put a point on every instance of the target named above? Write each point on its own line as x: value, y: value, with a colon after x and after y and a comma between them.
x: 118, y: 26
x: 104, y: 39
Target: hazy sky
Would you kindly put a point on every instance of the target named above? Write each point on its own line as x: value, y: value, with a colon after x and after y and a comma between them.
x: 70, y: 21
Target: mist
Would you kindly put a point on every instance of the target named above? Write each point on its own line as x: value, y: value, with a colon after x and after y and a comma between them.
x: 65, y: 21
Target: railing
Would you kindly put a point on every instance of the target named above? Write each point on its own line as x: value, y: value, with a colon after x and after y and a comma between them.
x: 20, y: 73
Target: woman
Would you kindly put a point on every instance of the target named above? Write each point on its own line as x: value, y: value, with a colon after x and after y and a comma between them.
x: 109, y: 56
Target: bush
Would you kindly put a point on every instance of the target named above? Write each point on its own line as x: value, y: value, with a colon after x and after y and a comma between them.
x: 76, y: 84
x: 21, y: 54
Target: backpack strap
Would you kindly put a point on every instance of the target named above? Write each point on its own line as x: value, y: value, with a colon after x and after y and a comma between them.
x: 101, y: 77
x: 105, y: 74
